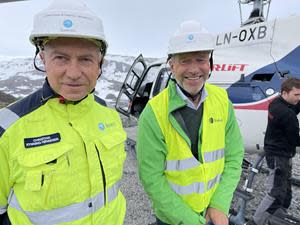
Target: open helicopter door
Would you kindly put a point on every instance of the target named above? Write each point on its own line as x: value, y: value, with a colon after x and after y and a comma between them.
x: 131, y: 86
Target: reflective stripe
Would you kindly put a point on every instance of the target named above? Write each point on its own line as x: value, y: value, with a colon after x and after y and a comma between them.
x: 198, y: 187
x: 181, y: 164
x: 213, y: 181
x: 192, y: 162
x: 3, y: 209
x: 112, y: 192
x: 213, y: 156
x: 68, y: 213
x: 190, y: 189
x: 7, y: 117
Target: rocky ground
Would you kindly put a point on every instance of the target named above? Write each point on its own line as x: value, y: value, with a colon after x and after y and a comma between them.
x: 259, y: 187
x: 139, y: 210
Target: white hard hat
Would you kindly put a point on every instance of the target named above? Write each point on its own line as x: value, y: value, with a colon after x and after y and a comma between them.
x: 67, y: 18
x: 190, y: 37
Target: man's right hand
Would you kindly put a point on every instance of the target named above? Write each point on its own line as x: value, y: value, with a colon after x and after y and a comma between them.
x: 216, y: 217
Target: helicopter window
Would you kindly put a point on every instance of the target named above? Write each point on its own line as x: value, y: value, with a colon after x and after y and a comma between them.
x: 140, y: 100
x: 262, y: 77
x: 146, y: 85
x: 245, y: 93
x: 162, y: 80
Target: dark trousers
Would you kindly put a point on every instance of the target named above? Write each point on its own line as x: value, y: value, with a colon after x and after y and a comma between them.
x: 4, y: 219
x: 279, y: 194
x: 281, y: 189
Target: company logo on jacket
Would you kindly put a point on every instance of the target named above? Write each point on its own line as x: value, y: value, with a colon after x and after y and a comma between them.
x: 103, y: 126
x: 215, y: 120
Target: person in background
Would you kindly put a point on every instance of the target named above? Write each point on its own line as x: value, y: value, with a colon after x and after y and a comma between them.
x: 61, y: 148
x: 281, y: 139
x: 189, y: 146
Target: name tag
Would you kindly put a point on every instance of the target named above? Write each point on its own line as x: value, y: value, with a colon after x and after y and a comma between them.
x: 43, y: 140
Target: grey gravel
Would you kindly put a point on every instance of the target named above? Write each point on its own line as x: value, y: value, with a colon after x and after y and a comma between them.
x: 139, y: 210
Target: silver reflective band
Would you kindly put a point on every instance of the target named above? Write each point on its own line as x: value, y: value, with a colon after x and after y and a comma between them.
x: 214, y: 156
x: 181, y: 164
x: 192, y: 162
x: 7, y: 117
x: 190, y: 189
x: 213, y: 182
x: 68, y: 213
x: 2, y: 209
x: 197, y: 187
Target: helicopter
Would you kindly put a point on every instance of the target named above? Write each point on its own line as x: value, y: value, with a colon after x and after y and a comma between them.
x: 250, y: 62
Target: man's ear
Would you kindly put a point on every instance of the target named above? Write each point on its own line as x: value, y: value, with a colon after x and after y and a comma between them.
x: 284, y: 94
x: 171, y: 63
x: 42, y: 56
x: 100, y: 66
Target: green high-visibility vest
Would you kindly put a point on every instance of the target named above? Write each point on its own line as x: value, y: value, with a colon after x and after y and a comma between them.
x: 193, y: 181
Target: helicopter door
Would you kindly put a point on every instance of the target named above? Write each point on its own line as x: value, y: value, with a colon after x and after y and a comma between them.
x: 131, y: 86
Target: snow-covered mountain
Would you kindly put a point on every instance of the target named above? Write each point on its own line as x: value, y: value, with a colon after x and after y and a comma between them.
x: 18, y: 77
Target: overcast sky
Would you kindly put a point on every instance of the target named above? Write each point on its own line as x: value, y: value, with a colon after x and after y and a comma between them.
x: 134, y: 26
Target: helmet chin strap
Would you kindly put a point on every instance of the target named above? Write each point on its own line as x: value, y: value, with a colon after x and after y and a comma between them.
x: 37, y: 50
x: 100, y: 65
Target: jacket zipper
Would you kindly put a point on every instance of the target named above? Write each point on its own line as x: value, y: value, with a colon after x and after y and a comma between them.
x: 86, y: 155
x: 103, y: 173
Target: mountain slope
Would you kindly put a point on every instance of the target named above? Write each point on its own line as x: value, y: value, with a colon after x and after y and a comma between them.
x: 18, y: 77
x: 6, y: 99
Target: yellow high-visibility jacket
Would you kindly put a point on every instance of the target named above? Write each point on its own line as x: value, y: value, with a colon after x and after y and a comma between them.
x: 61, y: 163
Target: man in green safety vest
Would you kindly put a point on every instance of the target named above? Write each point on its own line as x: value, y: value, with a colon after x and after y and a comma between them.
x: 189, y: 146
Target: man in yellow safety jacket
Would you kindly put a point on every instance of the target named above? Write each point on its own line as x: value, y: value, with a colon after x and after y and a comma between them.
x: 189, y: 146
x: 61, y: 148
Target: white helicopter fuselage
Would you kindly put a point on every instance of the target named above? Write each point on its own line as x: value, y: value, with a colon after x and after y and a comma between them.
x: 250, y: 63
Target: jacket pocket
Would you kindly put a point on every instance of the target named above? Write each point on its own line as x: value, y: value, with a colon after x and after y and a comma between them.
x: 41, y: 156
x: 44, y: 169
x: 113, y: 139
x: 112, y: 153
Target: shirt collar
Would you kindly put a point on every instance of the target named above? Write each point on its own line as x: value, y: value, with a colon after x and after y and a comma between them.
x: 189, y: 103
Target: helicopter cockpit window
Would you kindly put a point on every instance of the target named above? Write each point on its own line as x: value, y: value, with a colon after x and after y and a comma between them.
x: 162, y: 80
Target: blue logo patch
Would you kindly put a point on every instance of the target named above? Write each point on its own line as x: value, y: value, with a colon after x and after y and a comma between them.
x: 190, y: 37
x: 101, y: 126
x: 68, y: 23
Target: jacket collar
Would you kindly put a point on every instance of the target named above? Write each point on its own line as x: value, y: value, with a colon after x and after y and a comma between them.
x: 72, y: 110
x: 285, y: 102
x: 175, y: 101
x: 47, y: 92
